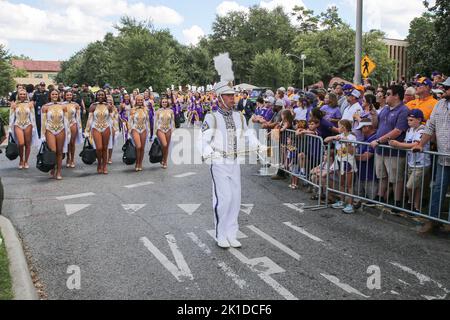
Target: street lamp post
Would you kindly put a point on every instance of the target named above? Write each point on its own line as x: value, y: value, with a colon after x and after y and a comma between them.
x: 302, y: 58
x: 358, y: 42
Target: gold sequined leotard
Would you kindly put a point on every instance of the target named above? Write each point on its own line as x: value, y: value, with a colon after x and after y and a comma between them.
x: 102, y: 118
x: 164, y: 120
x: 53, y: 119
x: 72, y: 113
x: 22, y: 115
x: 139, y: 119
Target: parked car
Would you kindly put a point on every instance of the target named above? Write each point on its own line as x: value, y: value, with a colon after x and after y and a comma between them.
x: 256, y: 93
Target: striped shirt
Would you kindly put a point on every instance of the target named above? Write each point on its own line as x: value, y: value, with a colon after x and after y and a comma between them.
x: 439, y: 124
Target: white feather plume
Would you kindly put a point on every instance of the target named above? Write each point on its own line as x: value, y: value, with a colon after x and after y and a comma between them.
x: 224, y: 67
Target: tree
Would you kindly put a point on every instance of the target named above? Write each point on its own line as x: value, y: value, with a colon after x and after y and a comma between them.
x: 441, y: 12
x: 330, y: 53
x: 272, y: 69
x: 308, y: 22
x: 422, y: 39
x: 6, y: 72
x: 20, y: 73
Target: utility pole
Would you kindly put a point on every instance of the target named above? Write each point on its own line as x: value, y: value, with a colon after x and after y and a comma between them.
x: 358, y: 43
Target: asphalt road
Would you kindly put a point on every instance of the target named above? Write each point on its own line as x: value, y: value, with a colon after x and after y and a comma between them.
x: 152, y: 242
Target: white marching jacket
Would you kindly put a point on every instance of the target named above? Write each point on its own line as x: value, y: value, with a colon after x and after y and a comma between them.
x: 213, y: 139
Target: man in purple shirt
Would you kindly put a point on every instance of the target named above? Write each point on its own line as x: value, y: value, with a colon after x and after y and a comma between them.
x: 390, y: 163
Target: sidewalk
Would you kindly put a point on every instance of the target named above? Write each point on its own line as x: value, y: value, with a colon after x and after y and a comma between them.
x: 22, y: 285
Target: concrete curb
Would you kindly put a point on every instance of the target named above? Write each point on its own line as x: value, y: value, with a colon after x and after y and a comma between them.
x: 23, y: 287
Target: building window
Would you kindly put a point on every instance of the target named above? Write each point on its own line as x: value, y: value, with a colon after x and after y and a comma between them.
x: 52, y: 76
x: 38, y: 76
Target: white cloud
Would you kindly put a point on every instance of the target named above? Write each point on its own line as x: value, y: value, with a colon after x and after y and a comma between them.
x: 23, y: 22
x: 193, y: 35
x: 160, y: 15
x: 392, y: 17
x: 4, y: 42
x: 229, y: 6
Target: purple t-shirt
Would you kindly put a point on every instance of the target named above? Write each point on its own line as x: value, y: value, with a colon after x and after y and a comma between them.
x: 325, y: 129
x: 267, y: 113
x: 366, y: 170
x: 389, y: 120
x: 331, y: 113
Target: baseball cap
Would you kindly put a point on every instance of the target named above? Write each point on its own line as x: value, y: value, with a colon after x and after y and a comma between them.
x: 282, y: 89
x: 446, y: 83
x: 424, y: 81
x: 436, y: 73
x: 296, y: 98
x: 42, y: 83
x: 355, y: 93
x: 270, y: 100
x: 269, y: 93
x: 364, y: 123
x: 279, y: 103
x: 416, y: 113
x: 347, y: 87
x: 310, y: 96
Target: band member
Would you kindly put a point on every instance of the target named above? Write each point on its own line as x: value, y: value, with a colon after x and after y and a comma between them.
x: 74, y: 121
x: 139, y: 127
x: 222, y: 139
x: 115, y: 127
x: 124, y: 115
x: 164, y: 125
x: 22, y: 126
x: 55, y: 130
x: 99, y: 127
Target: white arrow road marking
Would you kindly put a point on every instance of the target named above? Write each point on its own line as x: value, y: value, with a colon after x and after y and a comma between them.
x: 295, y: 206
x: 75, y: 196
x: 189, y: 208
x: 184, y: 175
x: 132, y: 208
x: 247, y: 208
x: 303, y: 231
x: 275, y: 242
x: 74, y: 208
x: 181, y: 271
x: 343, y: 286
x: 264, y: 268
x: 422, y: 279
x: 229, y: 272
x: 142, y: 184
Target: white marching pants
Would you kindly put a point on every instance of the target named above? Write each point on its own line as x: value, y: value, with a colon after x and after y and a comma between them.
x: 226, y: 184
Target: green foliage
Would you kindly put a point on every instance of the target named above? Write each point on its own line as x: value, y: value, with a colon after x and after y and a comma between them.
x: 20, y: 73
x: 6, y: 72
x: 6, y: 292
x: 4, y: 115
x: 272, y: 69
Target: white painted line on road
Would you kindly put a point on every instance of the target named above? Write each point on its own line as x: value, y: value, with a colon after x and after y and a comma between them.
x: 422, y: 279
x: 247, y: 208
x: 404, y: 282
x: 395, y: 293
x: 189, y: 208
x: 229, y: 272
x: 303, y: 232
x: 239, y: 236
x: 276, y: 243
x: 264, y: 268
x: 74, y: 208
x: 75, y: 196
x: 295, y: 206
x: 142, y: 184
x: 181, y: 271
x: 343, y: 286
x: 184, y: 175
x: 132, y: 208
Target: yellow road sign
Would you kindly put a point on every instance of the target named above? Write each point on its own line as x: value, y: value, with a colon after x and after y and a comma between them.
x: 367, y: 66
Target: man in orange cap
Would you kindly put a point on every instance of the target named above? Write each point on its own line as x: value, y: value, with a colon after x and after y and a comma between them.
x: 425, y: 102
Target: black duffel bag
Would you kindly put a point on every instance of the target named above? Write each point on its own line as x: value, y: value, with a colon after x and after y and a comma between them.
x: 88, y: 154
x: 46, y: 158
x: 182, y: 118
x: 156, y: 154
x: 177, y: 122
x: 12, y: 150
x: 129, y: 153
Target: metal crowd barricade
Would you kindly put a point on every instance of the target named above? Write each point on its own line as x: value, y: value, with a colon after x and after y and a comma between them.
x: 404, y: 181
x: 298, y: 155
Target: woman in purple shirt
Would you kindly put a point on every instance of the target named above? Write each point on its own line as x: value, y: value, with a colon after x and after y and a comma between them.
x: 331, y: 109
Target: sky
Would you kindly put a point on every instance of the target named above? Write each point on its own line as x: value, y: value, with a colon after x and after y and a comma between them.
x: 56, y: 29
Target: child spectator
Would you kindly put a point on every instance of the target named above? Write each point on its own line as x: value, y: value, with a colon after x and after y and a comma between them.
x: 310, y: 148
x: 345, y: 163
x: 319, y: 174
x: 418, y: 163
